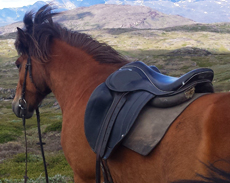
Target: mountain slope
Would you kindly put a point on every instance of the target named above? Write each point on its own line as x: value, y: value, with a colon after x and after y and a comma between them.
x: 112, y: 16
x: 205, y: 11
x: 119, y: 16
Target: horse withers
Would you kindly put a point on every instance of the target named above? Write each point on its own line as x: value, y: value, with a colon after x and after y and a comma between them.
x: 72, y: 65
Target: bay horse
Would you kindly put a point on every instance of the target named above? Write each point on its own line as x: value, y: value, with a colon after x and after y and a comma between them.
x: 71, y: 65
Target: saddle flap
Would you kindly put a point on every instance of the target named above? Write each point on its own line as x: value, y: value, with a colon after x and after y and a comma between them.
x: 104, y: 132
x: 126, y: 118
x: 96, y: 110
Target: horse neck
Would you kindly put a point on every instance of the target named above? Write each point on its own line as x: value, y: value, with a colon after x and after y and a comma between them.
x: 74, y: 74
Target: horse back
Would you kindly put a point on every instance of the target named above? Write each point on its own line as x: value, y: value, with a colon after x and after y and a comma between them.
x: 216, y: 128
x: 197, y: 138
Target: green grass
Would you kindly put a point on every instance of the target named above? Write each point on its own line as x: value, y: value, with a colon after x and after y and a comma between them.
x: 204, y: 63
x: 9, y: 132
x: 10, y: 127
x: 56, y: 179
x: 57, y: 126
x: 223, y: 49
x: 15, y: 167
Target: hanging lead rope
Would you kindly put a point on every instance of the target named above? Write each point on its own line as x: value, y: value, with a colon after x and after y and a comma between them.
x: 41, y: 144
x: 25, y: 177
x: 22, y: 105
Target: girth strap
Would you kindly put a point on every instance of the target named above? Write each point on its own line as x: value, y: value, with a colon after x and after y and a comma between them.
x: 106, y: 173
x: 118, y: 102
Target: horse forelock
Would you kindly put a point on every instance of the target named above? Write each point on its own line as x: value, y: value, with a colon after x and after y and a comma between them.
x: 35, y: 38
x: 40, y: 30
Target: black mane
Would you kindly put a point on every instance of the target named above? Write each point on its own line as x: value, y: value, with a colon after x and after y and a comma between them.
x: 39, y: 31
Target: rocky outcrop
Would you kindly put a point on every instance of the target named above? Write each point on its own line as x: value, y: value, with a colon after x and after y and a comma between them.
x: 190, y: 51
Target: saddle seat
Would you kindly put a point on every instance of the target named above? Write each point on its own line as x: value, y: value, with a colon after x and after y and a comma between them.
x: 138, y: 76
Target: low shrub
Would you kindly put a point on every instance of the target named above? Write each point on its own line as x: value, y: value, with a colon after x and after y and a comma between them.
x: 57, y: 126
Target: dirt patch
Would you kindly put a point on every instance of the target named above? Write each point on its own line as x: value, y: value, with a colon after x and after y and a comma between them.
x: 10, y: 149
x: 52, y: 140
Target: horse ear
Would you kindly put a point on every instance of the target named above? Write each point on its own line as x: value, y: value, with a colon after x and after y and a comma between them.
x: 22, y: 38
x: 21, y: 33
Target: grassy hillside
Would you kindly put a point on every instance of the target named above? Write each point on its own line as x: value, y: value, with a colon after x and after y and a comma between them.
x: 173, y: 50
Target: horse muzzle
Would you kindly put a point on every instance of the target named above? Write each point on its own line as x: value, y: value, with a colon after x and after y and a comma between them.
x: 20, y: 109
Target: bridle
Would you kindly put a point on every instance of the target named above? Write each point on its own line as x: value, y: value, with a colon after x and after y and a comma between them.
x: 23, y: 106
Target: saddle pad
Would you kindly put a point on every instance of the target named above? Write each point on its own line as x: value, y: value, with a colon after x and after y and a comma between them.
x: 151, y: 126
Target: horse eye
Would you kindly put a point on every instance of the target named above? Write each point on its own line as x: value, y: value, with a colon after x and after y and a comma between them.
x: 18, y: 65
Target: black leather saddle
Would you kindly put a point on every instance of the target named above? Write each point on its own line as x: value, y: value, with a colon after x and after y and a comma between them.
x: 137, y: 76
x: 114, y: 105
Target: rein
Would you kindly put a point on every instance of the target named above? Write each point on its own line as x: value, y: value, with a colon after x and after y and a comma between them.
x: 23, y: 107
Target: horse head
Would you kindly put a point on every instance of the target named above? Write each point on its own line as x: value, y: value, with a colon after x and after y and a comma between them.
x: 32, y: 87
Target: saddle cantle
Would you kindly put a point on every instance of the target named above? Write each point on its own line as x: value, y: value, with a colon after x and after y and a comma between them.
x: 115, y: 104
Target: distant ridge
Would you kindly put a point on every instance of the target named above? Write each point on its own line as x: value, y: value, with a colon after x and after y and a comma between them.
x: 104, y: 16
x: 119, y: 16
x: 202, y: 11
